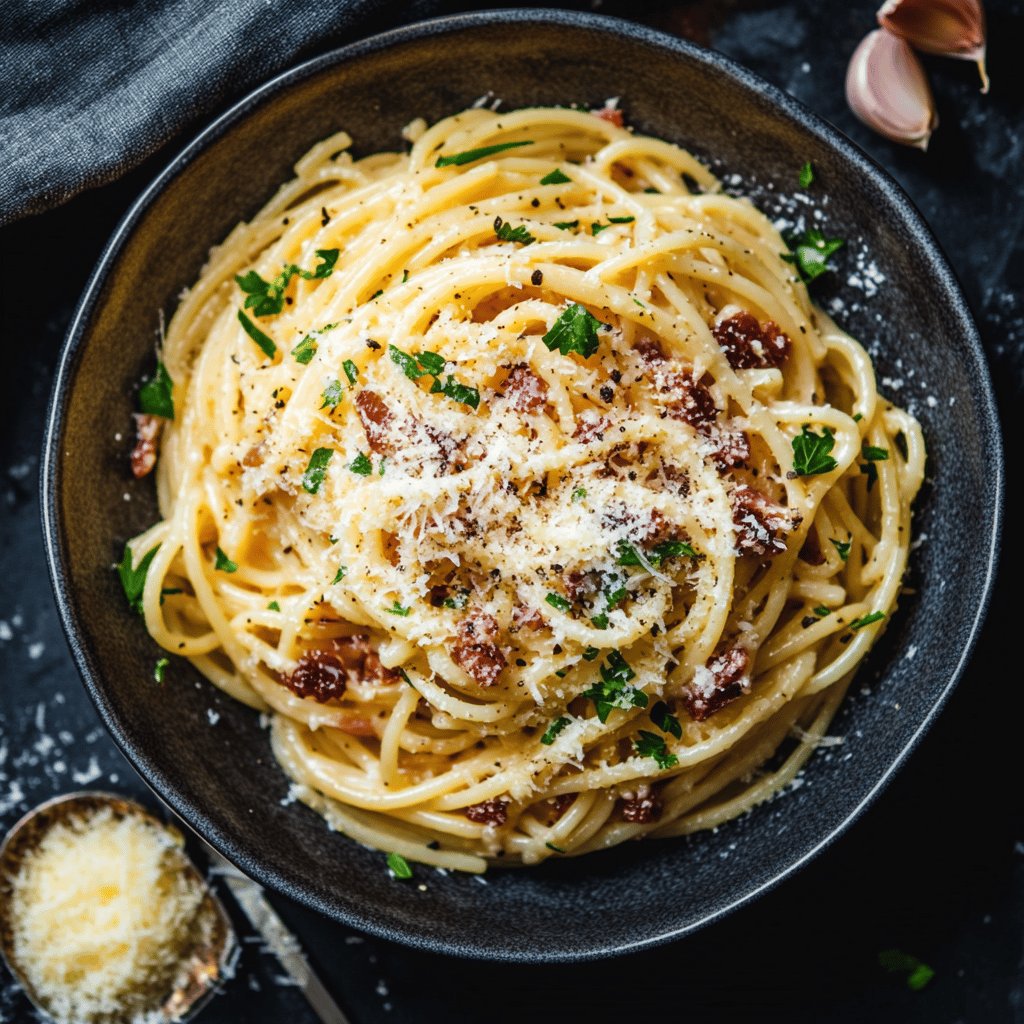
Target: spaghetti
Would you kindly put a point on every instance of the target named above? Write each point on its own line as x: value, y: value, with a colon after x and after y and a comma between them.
x: 521, y: 483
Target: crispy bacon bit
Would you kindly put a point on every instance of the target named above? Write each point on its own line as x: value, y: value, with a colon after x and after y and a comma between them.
x: 525, y: 617
x: 721, y: 681
x: 524, y: 389
x: 751, y: 345
x: 691, y: 401
x: 760, y: 523
x: 649, y: 349
x: 731, y: 448
x: 811, y: 552
x: 552, y: 809
x: 475, y: 650
x: 376, y: 419
x: 610, y: 114
x: 579, y: 585
x: 319, y: 675
x: 147, y: 434
x: 489, y: 812
x: 643, y: 808
x: 590, y: 428
x: 360, y: 661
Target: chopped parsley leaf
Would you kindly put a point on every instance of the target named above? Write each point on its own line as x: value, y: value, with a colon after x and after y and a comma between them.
x: 339, y: 575
x: 565, y: 225
x: 305, y: 350
x: 314, y: 475
x: 557, y: 849
x: 821, y: 611
x: 507, y: 233
x: 273, y: 607
x: 262, y: 340
x: 556, y: 177
x: 866, y: 620
x: 470, y: 155
x: 651, y: 745
x: 332, y: 394
x: 460, y: 392
x: 665, y: 720
x: 811, y: 254
x: 596, y: 227
x: 223, y: 563
x: 399, y: 866
x: 843, y: 547
x: 351, y: 371
x: 668, y: 549
x: 458, y: 600
x: 266, y: 298
x: 554, y: 729
x: 430, y: 364
x: 155, y: 395
x: 897, y: 962
x: 614, y: 691
x: 600, y: 621
x: 361, y: 465
x: 575, y: 330
x: 811, y: 452
x: 397, y: 609
x: 133, y: 580
x: 159, y: 669
x: 579, y: 494
x: 806, y: 175
x: 591, y: 653
x: 621, y: 220
x: 872, y: 454
x: 557, y: 601
x: 405, y: 276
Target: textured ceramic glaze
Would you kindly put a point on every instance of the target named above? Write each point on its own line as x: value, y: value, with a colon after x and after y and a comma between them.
x: 224, y: 780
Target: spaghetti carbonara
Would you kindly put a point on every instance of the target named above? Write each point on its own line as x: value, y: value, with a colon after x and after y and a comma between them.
x: 519, y: 481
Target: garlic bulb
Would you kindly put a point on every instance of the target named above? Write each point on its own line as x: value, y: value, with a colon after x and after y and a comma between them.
x: 887, y: 89
x: 948, y: 28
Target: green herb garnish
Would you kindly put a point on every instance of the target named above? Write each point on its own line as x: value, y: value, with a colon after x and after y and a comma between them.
x: 866, y: 620
x: 305, y: 350
x: 811, y: 452
x: 314, y: 475
x: 557, y: 849
x: 897, y: 962
x: 399, y: 866
x: 339, y: 575
x: 811, y: 254
x: 578, y: 495
x: 806, y: 175
x: 507, y: 233
x: 266, y: 298
x: 332, y: 394
x: 457, y: 601
x: 458, y: 159
x: 554, y: 729
x: 557, y: 601
x: 351, y: 371
x: 223, y: 563
x: 133, y: 580
x: 430, y: 364
x: 159, y: 669
x: 273, y: 607
x: 872, y: 454
x: 155, y: 395
x: 566, y: 225
x: 591, y: 653
x: 614, y: 691
x: 821, y: 611
x: 575, y: 330
x: 669, y: 549
x: 361, y: 465
x: 843, y: 547
x: 651, y: 745
x: 265, y: 343
x: 397, y: 609
x: 665, y: 720
x: 556, y: 177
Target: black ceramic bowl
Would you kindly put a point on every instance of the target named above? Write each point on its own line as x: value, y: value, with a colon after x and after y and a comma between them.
x: 222, y: 778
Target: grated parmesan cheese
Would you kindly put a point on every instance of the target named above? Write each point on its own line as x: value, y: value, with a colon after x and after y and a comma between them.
x: 101, y: 912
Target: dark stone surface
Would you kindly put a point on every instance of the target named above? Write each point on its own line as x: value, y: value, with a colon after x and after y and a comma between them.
x: 932, y: 868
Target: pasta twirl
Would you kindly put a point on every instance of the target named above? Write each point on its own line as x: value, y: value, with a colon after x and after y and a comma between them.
x: 526, y: 490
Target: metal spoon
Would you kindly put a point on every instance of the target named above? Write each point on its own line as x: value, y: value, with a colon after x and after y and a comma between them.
x: 203, y: 966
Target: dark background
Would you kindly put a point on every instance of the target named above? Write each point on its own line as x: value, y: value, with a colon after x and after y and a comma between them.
x: 935, y: 867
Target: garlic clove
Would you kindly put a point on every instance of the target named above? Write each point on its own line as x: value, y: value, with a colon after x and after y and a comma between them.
x: 948, y: 28
x: 887, y: 89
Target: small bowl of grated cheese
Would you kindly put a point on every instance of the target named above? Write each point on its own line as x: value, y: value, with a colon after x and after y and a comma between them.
x: 103, y: 916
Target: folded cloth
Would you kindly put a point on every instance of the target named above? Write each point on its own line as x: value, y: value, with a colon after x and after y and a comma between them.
x: 89, y: 88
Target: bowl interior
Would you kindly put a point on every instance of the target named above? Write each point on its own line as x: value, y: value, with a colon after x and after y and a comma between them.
x: 208, y: 757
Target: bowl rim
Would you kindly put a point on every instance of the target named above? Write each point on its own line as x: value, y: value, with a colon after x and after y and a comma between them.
x: 50, y: 476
